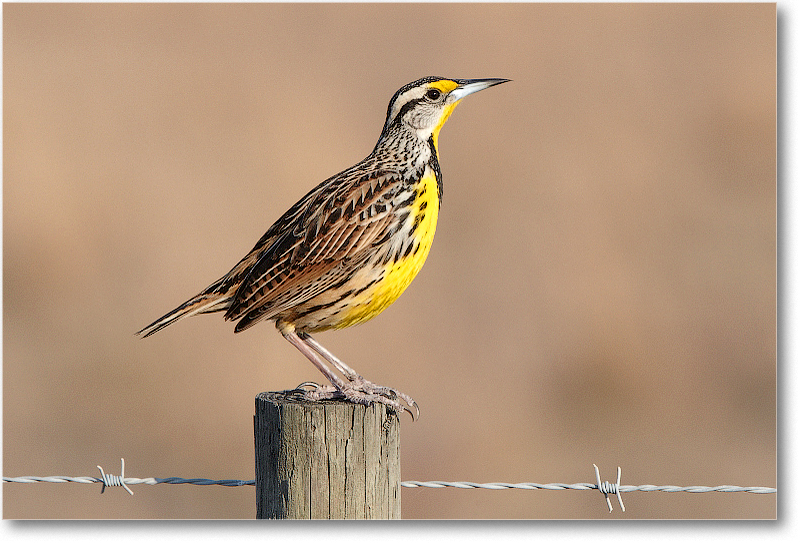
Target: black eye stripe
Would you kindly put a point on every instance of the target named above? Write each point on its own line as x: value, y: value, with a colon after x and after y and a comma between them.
x: 397, y: 117
x: 405, y: 109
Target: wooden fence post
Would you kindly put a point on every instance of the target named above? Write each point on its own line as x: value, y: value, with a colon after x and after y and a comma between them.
x: 325, y: 460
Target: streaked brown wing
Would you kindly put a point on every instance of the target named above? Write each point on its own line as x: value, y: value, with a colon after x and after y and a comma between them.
x: 316, y: 248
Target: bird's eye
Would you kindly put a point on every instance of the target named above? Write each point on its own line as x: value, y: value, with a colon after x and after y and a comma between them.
x: 433, y: 94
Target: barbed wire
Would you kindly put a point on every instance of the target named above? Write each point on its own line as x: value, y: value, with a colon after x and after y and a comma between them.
x: 606, y: 488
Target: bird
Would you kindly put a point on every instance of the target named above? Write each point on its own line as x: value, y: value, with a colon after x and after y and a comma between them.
x: 348, y: 248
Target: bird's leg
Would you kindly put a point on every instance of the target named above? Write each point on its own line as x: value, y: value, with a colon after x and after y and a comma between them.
x: 356, y: 380
x: 346, y: 370
x: 340, y: 389
x: 292, y: 337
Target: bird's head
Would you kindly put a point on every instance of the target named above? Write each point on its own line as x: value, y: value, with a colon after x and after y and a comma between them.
x: 424, y: 105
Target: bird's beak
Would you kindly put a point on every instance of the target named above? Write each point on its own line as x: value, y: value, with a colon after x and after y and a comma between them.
x: 469, y: 86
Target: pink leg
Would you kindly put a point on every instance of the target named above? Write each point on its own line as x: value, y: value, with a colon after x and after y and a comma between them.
x: 355, y: 378
x: 357, y: 389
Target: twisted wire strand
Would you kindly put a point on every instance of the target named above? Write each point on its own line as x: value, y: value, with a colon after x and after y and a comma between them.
x: 129, y: 480
x: 606, y: 488
x: 410, y: 484
x: 588, y: 486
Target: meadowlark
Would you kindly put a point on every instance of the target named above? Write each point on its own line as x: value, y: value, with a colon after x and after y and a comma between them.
x: 350, y: 247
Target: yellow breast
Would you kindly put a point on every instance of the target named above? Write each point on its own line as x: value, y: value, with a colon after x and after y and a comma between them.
x: 398, y: 274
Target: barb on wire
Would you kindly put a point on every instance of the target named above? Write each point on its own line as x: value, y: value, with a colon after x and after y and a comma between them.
x: 610, y: 488
x: 114, y: 480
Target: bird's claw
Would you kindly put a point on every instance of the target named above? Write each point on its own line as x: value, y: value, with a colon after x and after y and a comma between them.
x: 359, y: 391
x: 301, y: 391
x: 302, y: 386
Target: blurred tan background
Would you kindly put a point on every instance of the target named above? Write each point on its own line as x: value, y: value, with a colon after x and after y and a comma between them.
x: 601, y: 290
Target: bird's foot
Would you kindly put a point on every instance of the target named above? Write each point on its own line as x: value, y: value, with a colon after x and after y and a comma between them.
x: 361, y: 391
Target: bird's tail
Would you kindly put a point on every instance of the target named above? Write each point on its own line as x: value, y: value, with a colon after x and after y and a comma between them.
x: 207, y: 301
